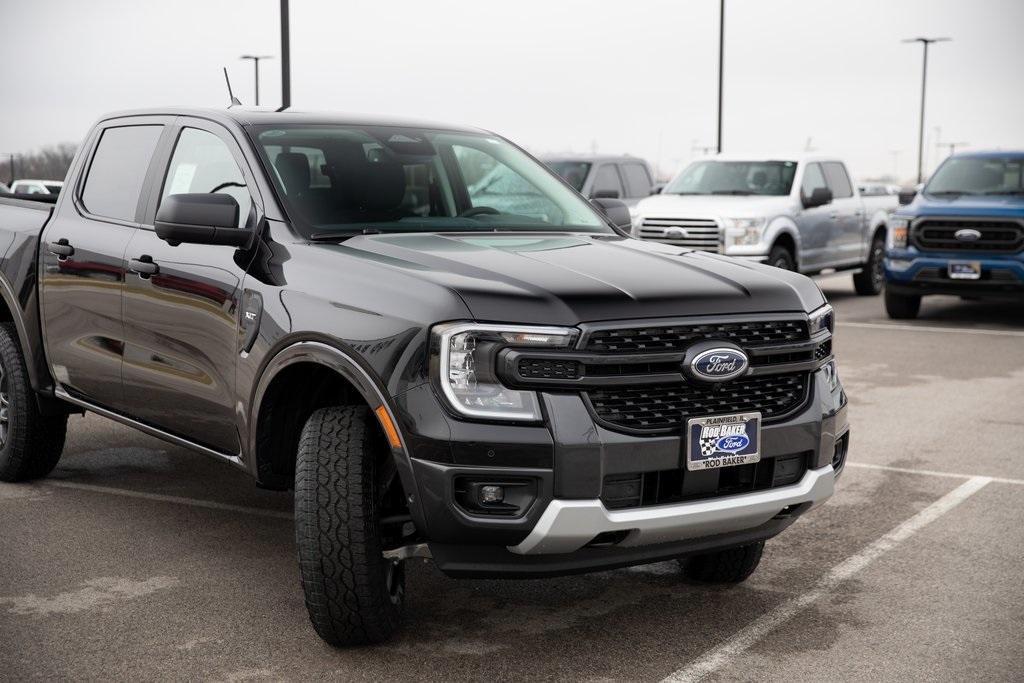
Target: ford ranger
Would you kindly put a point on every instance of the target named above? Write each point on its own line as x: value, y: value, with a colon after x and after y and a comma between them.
x: 797, y: 213
x: 963, y: 235
x: 325, y: 303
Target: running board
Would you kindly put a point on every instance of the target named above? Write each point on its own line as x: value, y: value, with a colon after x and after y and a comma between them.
x: 147, y: 429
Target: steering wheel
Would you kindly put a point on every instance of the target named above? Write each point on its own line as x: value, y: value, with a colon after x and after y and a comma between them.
x: 479, y: 211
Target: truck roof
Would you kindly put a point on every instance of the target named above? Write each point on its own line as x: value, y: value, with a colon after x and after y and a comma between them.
x: 246, y: 117
x: 800, y: 157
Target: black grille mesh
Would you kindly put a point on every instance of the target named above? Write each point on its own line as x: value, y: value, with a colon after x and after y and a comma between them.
x: 995, y: 235
x: 823, y: 350
x: 679, y: 337
x: 542, y: 368
x: 667, y: 407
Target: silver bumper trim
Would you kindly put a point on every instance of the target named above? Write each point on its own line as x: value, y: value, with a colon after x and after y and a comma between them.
x: 568, y: 525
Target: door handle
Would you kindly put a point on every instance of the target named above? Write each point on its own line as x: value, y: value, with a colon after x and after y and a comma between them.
x: 144, y: 267
x: 62, y: 249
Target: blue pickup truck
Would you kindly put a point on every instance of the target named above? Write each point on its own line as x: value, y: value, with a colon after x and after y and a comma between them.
x: 962, y: 235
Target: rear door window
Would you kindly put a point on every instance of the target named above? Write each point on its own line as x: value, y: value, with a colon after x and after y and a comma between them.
x: 838, y: 180
x: 118, y: 170
x: 638, y: 183
x: 606, y: 182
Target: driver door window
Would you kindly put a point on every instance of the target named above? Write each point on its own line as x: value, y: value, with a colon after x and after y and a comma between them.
x: 813, y: 179
x: 203, y: 163
x: 607, y: 182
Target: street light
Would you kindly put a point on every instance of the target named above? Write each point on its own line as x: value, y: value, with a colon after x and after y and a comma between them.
x: 925, y: 42
x: 256, y: 62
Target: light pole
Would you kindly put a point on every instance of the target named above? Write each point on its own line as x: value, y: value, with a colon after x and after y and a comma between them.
x: 286, y: 59
x: 256, y: 62
x: 721, y: 66
x: 925, y: 42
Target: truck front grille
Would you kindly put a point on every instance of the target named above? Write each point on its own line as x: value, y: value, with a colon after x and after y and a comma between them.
x: 934, y: 234
x: 701, y: 234
x: 642, y: 489
x: 662, y: 408
x: 679, y: 337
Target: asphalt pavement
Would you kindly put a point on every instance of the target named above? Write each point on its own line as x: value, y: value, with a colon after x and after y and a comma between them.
x: 141, y: 560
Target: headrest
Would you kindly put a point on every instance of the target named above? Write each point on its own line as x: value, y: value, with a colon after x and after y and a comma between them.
x: 759, y: 178
x: 293, y: 167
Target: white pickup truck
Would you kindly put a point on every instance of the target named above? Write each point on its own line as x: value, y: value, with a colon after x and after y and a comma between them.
x: 800, y: 213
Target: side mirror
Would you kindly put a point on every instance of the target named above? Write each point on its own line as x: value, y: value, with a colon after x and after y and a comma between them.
x: 819, y: 197
x: 656, y: 189
x: 605, y: 194
x: 200, y: 218
x: 616, y: 211
x: 906, y: 195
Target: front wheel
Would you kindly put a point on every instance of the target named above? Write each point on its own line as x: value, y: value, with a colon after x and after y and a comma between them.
x: 733, y: 565
x: 902, y: 306
x: 869, y: 282
x: 354, y: 595
x: 30, y: 443
x: 781, y: 258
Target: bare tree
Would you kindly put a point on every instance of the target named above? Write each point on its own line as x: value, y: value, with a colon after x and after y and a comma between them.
x: 46, y: 163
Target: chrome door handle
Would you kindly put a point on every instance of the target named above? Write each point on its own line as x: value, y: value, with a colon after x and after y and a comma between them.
x: 144, y: 267
x: 62, y: 249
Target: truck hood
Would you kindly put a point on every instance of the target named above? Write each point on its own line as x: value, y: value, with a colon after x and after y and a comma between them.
x: 713, y: 206
x: 565, y: 279
x: 968, y: 205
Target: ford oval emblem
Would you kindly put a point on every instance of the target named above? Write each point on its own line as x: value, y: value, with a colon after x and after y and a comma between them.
x: 967, y: 235
x: 719, y: 364
x: 733, y: 443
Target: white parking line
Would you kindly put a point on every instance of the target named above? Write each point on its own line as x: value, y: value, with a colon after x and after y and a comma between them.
x: 932, y: 328
x: 177, y: 500
x: 721, y: 656
x: 933, y: 473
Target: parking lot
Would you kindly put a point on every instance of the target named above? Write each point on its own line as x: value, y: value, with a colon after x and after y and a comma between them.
x: 137, y: 559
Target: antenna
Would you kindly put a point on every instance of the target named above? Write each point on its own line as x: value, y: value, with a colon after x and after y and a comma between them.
x: 235, y: 102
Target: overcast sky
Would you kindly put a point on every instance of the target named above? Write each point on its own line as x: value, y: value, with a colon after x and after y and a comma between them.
x: 634, y: 77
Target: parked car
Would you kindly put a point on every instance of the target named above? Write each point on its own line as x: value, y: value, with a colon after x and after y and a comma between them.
x: 796, y: 213
x: 37, y: 186
x: 324, y: 303
x: 4, y: 188
x: 963, y: 234
x: 608, y: 177
x: 877, y: 189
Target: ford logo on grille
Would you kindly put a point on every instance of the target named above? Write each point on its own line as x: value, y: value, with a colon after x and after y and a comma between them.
x: 967, y: 235
x: 718, y: 364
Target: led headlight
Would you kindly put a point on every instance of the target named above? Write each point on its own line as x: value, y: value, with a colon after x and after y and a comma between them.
x: 745, y: 231
x: 465, y: 354
x: 898, y: 228
x: 823, y: 318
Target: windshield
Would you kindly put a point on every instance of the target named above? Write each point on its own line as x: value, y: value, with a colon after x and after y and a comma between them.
x: 978, y: 175
x: 734, y: 177
x: 338, y: 180
x: 573, y: 172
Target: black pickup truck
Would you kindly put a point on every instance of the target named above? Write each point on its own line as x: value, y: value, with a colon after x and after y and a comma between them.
x: 499, y: 378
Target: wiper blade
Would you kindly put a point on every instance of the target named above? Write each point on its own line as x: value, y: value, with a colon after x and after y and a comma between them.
x: 327, y: 236
x: 947, y: 193
x: 1012, y: 193
x: 740, y: 193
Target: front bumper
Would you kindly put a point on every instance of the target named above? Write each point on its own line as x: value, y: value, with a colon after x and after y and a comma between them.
x: 913, y: 272
x: 567, y: 527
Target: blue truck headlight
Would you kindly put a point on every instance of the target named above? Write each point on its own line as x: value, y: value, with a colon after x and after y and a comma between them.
x: 466, y: 356
x: 898, y: 229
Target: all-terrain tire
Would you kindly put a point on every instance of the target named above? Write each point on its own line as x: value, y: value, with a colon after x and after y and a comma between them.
x: 780, y: 257
x: 871, y: 279
x: 353, y: 595
x: 902, y: 306
x: 734, y: 565
x: 30, y: 443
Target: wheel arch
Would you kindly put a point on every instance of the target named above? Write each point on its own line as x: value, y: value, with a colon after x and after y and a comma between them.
x: 785, y: 235
x: 274, y: 427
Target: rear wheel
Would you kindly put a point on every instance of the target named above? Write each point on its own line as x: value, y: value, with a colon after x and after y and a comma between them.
x: 733, y: 565
x: 780, y: 257
x: 902, y: 306
x: 869, y: 282
x: 353, y: 594
x: 30, y: 443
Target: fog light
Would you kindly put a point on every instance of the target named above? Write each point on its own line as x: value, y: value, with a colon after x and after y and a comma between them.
x: 898, y: 265
x: 492, y: 494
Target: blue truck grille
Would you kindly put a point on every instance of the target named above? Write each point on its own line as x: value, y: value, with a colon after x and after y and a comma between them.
x: 941, y: 235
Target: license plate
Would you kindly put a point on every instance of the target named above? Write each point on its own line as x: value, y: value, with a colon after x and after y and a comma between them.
x: 964, y: 270
x: 723, y: 441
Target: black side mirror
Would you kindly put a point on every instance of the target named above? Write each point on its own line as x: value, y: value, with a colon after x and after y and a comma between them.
x: 605, y: 194
x: 820, y: 196
x: 200, y: 218
x: 657, y: 189
x: 906, y: 196
x: 616, y: 211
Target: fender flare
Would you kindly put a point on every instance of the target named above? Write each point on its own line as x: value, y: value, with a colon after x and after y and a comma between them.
x: 783, y: 225
x: 29, y: 348
x: 346, y: 365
